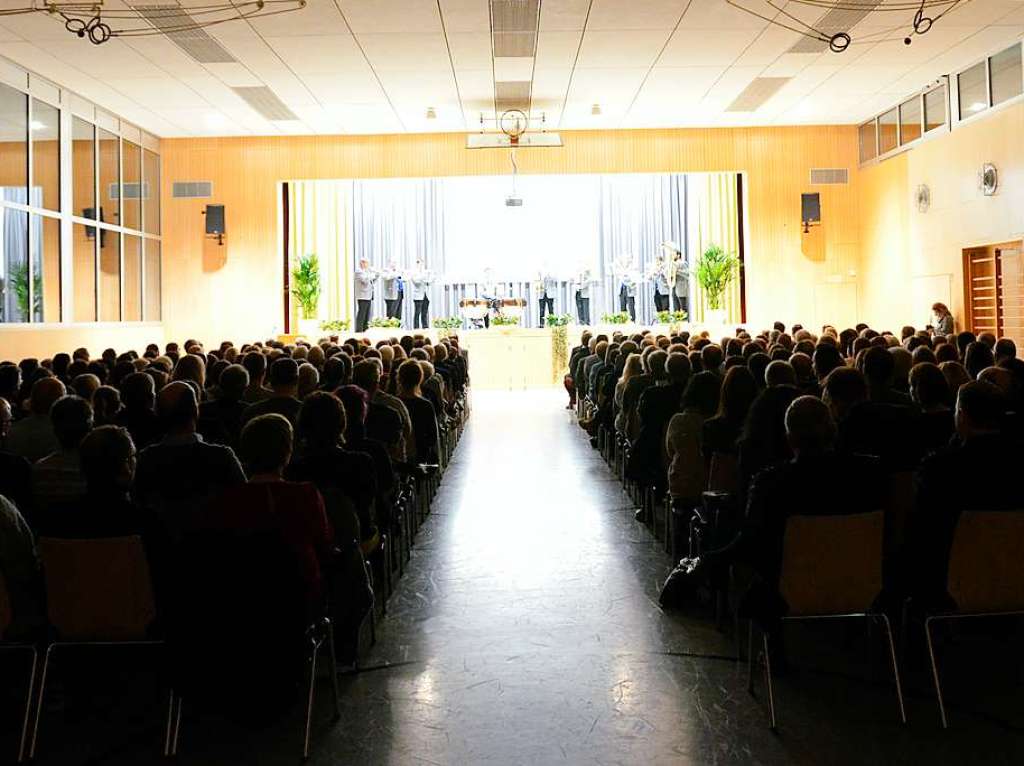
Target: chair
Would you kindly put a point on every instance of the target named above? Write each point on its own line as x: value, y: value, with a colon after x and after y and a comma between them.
x: 831, y: 569
x: 99, y: 594
x: 6, y: 617
x: 985, y: 575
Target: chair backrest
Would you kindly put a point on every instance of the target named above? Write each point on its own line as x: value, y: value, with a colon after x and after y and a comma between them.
x: 98, y: 589
x: 832, y: 564
x: 985, y: 570
x: 6, y: 613
x: 724, y: 475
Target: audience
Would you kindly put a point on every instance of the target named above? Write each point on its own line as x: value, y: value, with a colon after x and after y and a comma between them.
x: 32, y: 437
x: 57, y: 479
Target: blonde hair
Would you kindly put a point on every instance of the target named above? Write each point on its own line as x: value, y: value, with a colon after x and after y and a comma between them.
x: 634, y: 366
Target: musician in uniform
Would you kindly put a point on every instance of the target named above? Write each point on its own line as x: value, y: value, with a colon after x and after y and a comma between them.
x: 660, y: 279
x: 421, y: 279
x: 627, y: 277
x: 366, y: 277
x: 583, y: 283
x: 546, y: 286
x: 492, y: 292
x: 678, y: 275
x: 394, y: 290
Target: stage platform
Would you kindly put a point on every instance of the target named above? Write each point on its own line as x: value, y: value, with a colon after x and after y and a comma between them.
x: 517, y: 358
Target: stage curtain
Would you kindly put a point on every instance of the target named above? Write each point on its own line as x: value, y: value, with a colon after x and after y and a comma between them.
x: 320, y: 221
x: 713, y: 218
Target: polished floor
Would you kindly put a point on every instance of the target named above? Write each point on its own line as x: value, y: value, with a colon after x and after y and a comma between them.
x: 526, y: 630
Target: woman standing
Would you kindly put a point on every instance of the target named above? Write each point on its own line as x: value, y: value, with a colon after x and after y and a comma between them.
x: 943, y: 319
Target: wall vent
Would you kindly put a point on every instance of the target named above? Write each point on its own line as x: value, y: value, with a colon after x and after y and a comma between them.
x: 836, y: 20
x: 821, y: 176
x: 181, y: 29
x: 514, y: 15
x: 515, y: 44
x: 512, y: 94
x: 263, y: 100
x: 132, y: 190
x: 757, y: 93
x: 192, y: 189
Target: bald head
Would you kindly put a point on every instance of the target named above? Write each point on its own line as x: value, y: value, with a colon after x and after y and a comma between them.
x: 177, y: 406
x: 809, y: 425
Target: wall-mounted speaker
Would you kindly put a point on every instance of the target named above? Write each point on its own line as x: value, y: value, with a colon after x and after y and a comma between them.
x: 215, y: 220
x: 810, y: 209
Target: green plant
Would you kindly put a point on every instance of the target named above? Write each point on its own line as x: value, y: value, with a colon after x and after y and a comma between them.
x: 504, y: 320
x: 715, y: 271
x: 335, y: 325
x: 451, y: 323
x: 559, y: 320
x: 306, y: 285
x: 385, y: 322
x: 19, y: 280
x: 671, y: 317
x: 619, y: 317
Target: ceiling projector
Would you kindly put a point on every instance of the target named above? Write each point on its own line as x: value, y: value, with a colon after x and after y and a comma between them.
x: 513, y: 201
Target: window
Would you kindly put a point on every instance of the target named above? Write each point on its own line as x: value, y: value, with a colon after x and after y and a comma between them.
x: 972, y: 90
x: 131, y: 202
x: 151, y: 185
x: 14, y: 267
x: 152, y: 270
x: 910, y: 120
x: 83, y: 174
x: 45, y: 130
x: 83, y: 271
x: 13, y: 144
x: 1005, y: 71
x: 935, y: 108
x: 868, y: 137
x: 46, y: 268
x: 110, y: 276
x: 110, y: 177
x: 887, y: 131
x: 132, y: 278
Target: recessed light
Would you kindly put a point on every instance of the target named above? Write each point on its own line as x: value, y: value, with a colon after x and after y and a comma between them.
x: 595, y: 110
x: 431, y: 113
x: 37, y: 125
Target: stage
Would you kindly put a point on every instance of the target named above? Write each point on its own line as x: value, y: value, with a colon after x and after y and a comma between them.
x: 517, y: 358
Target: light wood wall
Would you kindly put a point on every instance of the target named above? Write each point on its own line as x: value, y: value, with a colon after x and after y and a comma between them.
x: 911, y: 259
x: 235, y: 291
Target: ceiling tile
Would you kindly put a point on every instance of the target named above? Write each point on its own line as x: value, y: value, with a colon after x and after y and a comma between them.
x: 513, y: 69
x: 648, y: 14
x: 466, y: 16
x: 317, y: 54
x: 605, y: 86
x: 718, y: 14
x: 319, y: 17
x: 691, y: 47
x: 563, y: 15
x: 158, y: 91
x: 404, y: 52
x: 556, y: 50
x: 621, y: 49
x: 348, y: 87
x: 389, y: 16
x: 470, y: 50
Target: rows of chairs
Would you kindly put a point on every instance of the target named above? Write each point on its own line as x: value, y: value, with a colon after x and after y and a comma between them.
x: 834, y: 566
x: 100, y: 596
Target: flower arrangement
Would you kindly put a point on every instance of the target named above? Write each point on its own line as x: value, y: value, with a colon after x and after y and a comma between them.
x: 559, y: 320
x: 450, y: 323
x: 671, y: 317
x: 500, y: 320
x: 335, y: 325
x: 619, y: 317
x: 385, y: 322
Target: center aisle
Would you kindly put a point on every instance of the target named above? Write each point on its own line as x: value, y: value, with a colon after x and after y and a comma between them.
x: 526, y: 629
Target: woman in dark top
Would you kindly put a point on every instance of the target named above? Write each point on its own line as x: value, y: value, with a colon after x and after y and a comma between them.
x: 354, y: 400
x: 929, y: 390
x: 421, y: 412
x: 723, y: 430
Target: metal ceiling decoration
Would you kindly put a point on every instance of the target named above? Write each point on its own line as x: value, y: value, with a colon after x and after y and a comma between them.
x: 834, y: 28
x: 91, y: 21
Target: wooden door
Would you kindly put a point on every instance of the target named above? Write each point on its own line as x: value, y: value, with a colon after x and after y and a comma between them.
x: 981, y: 294
x: 1011, y: 292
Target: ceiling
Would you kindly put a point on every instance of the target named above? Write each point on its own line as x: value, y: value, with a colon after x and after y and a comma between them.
x: 376, y: 66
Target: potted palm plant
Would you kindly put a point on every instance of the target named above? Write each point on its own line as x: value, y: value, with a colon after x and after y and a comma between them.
x: 715, y: 271
x: 306, y: 292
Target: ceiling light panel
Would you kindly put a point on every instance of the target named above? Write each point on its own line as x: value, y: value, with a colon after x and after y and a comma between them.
x: 755, y: 95
x: 266, y: 103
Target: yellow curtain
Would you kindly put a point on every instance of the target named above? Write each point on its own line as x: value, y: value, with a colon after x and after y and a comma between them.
x: 320, y: 221
x: 713, y: 219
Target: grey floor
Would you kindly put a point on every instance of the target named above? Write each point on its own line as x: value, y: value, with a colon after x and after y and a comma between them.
x: 526, y: 630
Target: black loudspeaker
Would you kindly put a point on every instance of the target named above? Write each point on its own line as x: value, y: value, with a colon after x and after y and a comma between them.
x: 810, y: 209
x: 215, y: 220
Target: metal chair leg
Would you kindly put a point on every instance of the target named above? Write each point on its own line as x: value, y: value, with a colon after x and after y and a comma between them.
x: 750, y: 656
x: 334, y: 670
x: 309, y: 699
x: 768, y: 680
x: 935, y: 671
x: 168, y: 729
x: 895, y: 667
x: 39, y: 701
x: 29, y: 699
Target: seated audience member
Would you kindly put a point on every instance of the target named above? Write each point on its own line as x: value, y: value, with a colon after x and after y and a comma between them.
x: 177, y: 475
x: 269, y: 503
x: 309, y: 380
x: 981, y: 450
x: 929, y: 391
x: 385, y: 410
x: 763, y: 442
x: 879, y: 368
x: 356, y: 403
x: 284, y: 389
x: 758, y: 363
x: 1005, y: 349
x: 32, y: 437
x: 658, y: 403
x: 433, y: 389
x: 684, y: 438
x: 220, y: 420
x: 139, y: 414
x: 421, y: 413
x: 15, y: 471
x: 653, y: 363
x: 722, y: 431
x: 334, y: 373
x: 19, y: 563
x: 256, y: 365
x: 632, y: 368
x: 57, y: 479
x: 797, y: 488
x: 85, y: 386
x: 956, y: 375
x: 977, y: 357
x: 779, y: 373
x: 346, y: 480
x: 106, y: 405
